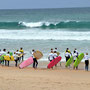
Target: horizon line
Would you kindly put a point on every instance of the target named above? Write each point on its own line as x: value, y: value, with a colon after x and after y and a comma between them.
x: 41, y: 8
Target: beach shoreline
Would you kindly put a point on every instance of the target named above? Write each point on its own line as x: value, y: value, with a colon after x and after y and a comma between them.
x: 13, y: 78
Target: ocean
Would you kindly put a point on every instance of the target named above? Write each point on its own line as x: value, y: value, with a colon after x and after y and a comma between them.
x: 43, y: 29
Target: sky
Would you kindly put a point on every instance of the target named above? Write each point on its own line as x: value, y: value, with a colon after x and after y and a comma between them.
x: 30, y: 4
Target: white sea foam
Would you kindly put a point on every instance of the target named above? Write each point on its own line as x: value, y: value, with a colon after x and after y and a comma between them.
x: 39, y: 34
x: 34, y: 24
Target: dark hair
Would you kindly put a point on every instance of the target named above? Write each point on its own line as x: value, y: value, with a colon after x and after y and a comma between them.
x: 74, y: 51
x: 33, y: 50
x: 21, y: 48
x: 17, y: 50
x: 55, y: 48
x: 8, y: 52
x: 54, y: 51
x: 4, y: 49
x: 66, y: 50
x: 51, y: 48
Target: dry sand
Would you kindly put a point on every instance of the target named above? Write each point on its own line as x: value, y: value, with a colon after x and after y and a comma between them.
x: 13, y: 78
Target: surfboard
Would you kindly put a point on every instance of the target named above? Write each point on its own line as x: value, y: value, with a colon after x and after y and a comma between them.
x: 26, y: 62
x: 7, y: 58
x: 11, y: 53
x: 70, y: 60
x: 2, y: 57
x: 78, y: 60
x: 38, y: 54
x: 54, y: 62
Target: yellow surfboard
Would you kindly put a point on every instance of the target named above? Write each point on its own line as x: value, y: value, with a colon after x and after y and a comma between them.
x: 37, y: 54
x: 9, y: 58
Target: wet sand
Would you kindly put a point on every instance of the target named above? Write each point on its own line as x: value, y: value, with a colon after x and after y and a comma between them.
x: 58, y: 78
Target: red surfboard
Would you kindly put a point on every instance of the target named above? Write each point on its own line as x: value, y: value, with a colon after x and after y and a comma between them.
x: 54, y: 62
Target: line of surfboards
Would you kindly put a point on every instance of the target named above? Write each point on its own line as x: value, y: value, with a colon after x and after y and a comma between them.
x: 39, y: 55
x: 77, y: 61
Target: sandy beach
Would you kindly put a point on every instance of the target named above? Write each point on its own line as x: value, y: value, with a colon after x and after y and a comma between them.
x: 60, y: 78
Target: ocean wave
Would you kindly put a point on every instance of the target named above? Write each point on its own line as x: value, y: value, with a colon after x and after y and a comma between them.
x: 44, y: 25
x: 44, y: 35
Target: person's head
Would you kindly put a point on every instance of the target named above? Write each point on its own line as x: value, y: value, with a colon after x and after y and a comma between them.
x: 4, y: 50
x: 33, y: 50
x: 55, y: 52
x: 8, y: 52
x: 86, y: 53
x: 14, y: 52
x: 74, y: 51
x: 56, y: 48
x: 17, y: 50
x: 51, y: 49
x: 67, y: 48
x: 21, y: 48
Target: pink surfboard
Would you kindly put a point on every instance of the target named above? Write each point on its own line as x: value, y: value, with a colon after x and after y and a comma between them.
x: 26, y: 63
x: 54, y: 62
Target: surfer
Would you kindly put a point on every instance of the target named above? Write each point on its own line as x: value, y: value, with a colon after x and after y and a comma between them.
x: 55, y: 55
x: 86, y: 61
x: 18, y: 53
x: 3, y: 53
x: 8, y: 54
x: 35, y: 62
x: 16, y: 58
x: 75, y: 55
x: 67, y: 55
x: 51, y: 56
x: 22, y: 52
x: 76, y: 51
x: 68, y: 51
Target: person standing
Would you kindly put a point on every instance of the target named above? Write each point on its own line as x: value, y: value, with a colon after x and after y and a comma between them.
x: 67, y: 55
x: 75, y: 55
x: 18, y: 53
x: 35, y: 62
x: 55, y: 55
x: 86, y: 61
x: 3, y: 53
x: 68, y: 51
x: 16, y: 58
x: 76, y: 51
x: 22, y: 52
x: 51, y: 56
x: 8, y: 54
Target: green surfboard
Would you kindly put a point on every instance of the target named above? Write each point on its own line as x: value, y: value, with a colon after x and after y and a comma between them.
x: 69, y: 61
x: 11, y: 54
x: 78, y: 60
x: 2, y: 57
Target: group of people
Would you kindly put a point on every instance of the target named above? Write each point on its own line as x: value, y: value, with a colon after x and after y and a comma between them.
x: 75, y: 55
x: 18, y: 55
x: 54, y: 53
